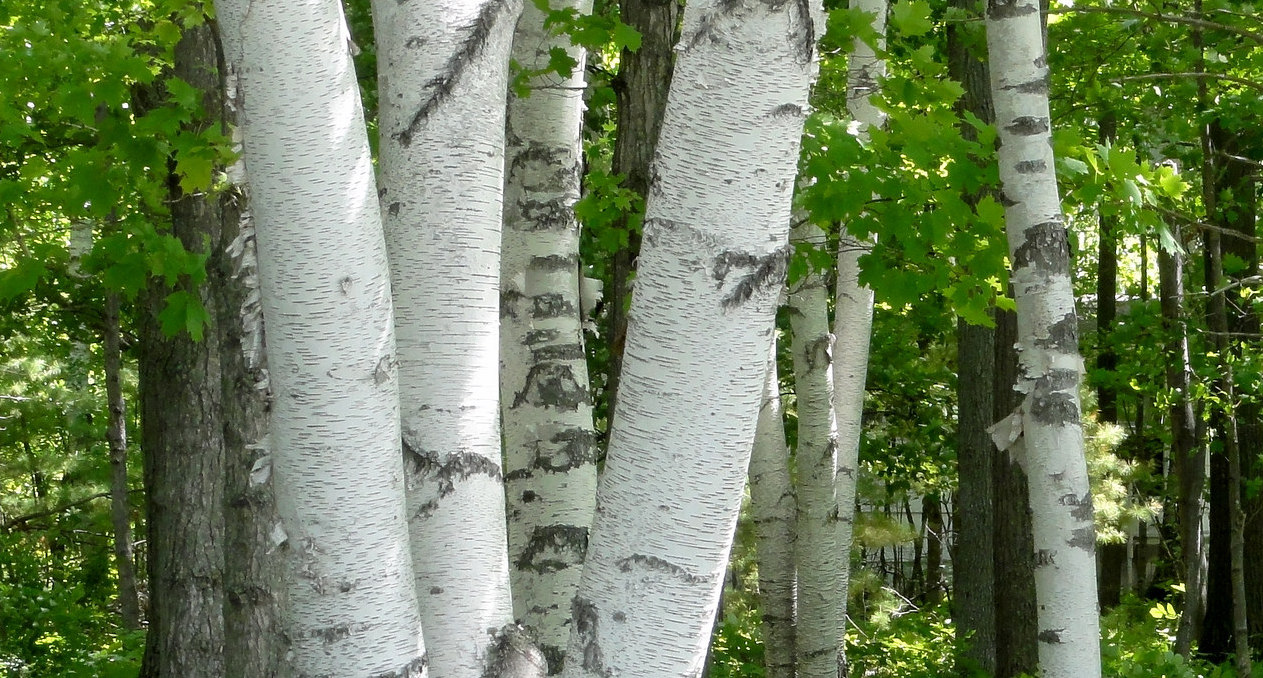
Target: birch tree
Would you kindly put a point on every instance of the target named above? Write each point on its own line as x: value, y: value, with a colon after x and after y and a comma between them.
x: 712, y: 259
x: 819, y: 628
x: 774, y: 508
x: 853, y: 304
x: 1049, y: 367
x: 443, y: 77
x: 325, y: 287
x: 550, y: 465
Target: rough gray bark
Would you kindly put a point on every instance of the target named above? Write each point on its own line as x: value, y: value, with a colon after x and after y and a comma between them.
x: 182, y: 440
x: 116, y: 432
x: 773, y: 506
x: 644, y: 78
x: 1188, y: 458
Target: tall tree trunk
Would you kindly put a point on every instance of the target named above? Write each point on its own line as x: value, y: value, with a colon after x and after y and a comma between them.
x: 819, y: 633
x: 774, y: 508
x: 442, y: 176
x: 932, y: 519
x: 1050, y: 367
x: 853, y: 306
x: 254, y: 587
x: 182, y: 440
x: 973, y: 572
x: 549, y: 460
x: 644, y: 78
x: 325, y: 286
x: 1188, y: 458
x: 710, y: 276
x: 116, y: 432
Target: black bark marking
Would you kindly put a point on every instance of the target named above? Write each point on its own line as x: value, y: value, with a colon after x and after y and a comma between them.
x: 558, y: 352
x: 1045, y: 249
x: 529, y: 496
x: 436, y: 590
x: 568, y: 541
x: 1045, y: 557
x: 1037, y: 86
x: 552, y: 305
x: 512, y: 654
x: 555, y: 656
x: 1026, y: 126
x: 1051, y: 636
x: 442, y: 85
x: 620, y: 616
x: 509, y: 300
x: 1082, y: 505
x: 787, y: 111
x: 413, y: 669
x: 555, y: 214
x: 552, y: 384
x: 818, y: 354
x: 546, y: 155
x: 555, y: 262
x: 1052, y: 401
x: 430, y: 466
x: 426, y: 510
x: 768, y: 273
x: 1063, y: 335
x: 393, y: 210
x: 806, y: 36
x: 1030, y: 166
x: 1009, y: 9
x: 331, y: 634
x: 566, y: 450
x: 1083, y: 538
x: 656, y: 564
x: 541, y: 337
x: 587, y: 632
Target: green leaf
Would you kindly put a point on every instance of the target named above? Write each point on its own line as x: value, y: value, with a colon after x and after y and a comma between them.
x: 183, y: 312
x: 912, y: 17
x: 626, y: 37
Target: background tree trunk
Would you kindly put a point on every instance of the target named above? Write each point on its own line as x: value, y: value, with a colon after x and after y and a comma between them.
x: 545, y: 402
x: 116, y: 432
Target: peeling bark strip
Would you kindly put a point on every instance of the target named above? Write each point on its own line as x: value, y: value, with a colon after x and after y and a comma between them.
x: 546, y: 406
x: 685, y: 417
x: 1049, y: 365
x: 336, y: 467
x: 443, y: 70
x: 413, y: 669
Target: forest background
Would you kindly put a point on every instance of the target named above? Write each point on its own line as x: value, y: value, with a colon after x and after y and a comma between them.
x: 1158, y: 153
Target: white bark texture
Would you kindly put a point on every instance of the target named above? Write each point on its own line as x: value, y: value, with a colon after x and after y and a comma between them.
x: 853, y: 304
x: 1049, y: 364
x: 711, y: 265
x: 774, y: 508
x: 819, y: 634
x: 326, y: 293
x: 546, y: 405
x: 443, y: 74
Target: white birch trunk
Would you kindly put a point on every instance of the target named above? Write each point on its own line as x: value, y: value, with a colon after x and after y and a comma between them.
x: 711, y: 264
x: 326, y: 293
x: 443, y: 73
x: 774, y: 508
x: 546, y: 406
x: 818, y: 637
x: 853, y: 304
x: 1049, y: 365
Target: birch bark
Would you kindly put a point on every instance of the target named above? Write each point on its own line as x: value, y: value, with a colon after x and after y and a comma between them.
x: 713, y: 255
x: 1050, y: 367
x: 546, y: 405
x: 443, y: 78
x: 774, y: 507
x: 818, y: 637
x: 336, y: 467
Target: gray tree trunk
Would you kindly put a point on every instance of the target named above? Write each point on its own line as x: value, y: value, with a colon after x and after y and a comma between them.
x: 116, y: 432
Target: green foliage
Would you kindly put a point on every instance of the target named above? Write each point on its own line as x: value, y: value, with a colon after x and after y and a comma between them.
x: 1136, y: 643
x: 906, y: 643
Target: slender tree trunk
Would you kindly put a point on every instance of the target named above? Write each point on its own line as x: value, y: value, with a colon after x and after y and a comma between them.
x: 973, y: 571
x: 819, y: 634
x: 1050, y: 366
x: 442, y: 176
x: 1188, y: 458
x: 644, y: 77
x: 550, y: 465
x: 853, y: 308
x: 116, y: 432
x: 932, y: 519
x: 254, y: 587
x: 323, y: 276
x: 710, y: 277
x: 182, y: 440
x: 774, y: 507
